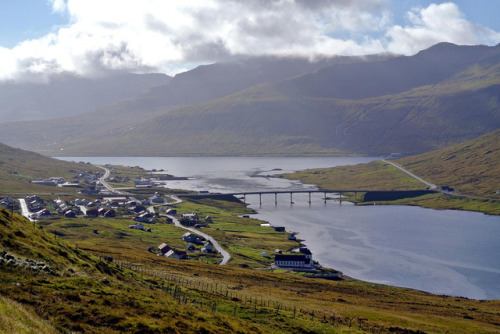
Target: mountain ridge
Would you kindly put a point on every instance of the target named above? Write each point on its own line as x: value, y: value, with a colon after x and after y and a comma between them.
x: 441, y: 96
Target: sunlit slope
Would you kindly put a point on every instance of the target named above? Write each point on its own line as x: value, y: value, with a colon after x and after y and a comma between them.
x: 472, y: 167
x: 75, y: 292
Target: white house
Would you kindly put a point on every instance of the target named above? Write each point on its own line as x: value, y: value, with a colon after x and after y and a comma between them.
x: 295, y: 261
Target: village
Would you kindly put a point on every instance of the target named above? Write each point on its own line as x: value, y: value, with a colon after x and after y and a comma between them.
x: 99, y: 200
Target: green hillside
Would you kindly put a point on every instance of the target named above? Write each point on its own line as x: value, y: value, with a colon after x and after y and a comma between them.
x: 18, y: 167
x: 471, y: 168
x: 80, y: 293
x: 65, y: 288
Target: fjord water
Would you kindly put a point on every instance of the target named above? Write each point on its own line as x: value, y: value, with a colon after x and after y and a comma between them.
x: 439, y: 251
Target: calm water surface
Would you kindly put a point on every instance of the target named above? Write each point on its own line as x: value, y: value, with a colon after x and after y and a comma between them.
x: 444, y: 252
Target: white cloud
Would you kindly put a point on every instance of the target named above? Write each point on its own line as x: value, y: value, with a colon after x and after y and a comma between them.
x: 168, y: 36
x: 434, y: 24
x: 58, y: 6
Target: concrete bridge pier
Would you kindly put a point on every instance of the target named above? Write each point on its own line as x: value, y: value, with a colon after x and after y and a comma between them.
x: 325, y: 197
x: 260, y: 199
x: 309, y: 197
x: 275, y: 199
x: 291, y: 198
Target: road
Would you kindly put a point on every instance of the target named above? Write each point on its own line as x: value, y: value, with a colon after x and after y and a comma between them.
x: 103, y: 179
x: 428, y: 184
x: 24, y: 209
x: 225, y: 255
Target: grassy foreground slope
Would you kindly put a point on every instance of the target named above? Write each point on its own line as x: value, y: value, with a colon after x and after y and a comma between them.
x: 77, y: 292
x: 15, y: 318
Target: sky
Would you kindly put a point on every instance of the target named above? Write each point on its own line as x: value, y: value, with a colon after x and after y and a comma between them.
x: 41, y: 38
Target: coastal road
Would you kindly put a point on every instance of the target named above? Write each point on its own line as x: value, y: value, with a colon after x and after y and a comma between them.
x: 428, y: 184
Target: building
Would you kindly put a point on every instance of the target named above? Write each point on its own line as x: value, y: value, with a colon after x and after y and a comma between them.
x: 207, y: 247
x: 175, y: 254
x: 189, y: 237
x: 164, y: 248
x: 293, y: 261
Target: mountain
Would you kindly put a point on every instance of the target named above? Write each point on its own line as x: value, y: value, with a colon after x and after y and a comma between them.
x: 201, y: 84
x: 209, y: 82
x: 67, y: 95
x: 458, y: 102
x: 438, y: 97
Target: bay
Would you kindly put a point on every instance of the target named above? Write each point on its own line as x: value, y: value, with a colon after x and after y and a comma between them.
x: 439, y: 251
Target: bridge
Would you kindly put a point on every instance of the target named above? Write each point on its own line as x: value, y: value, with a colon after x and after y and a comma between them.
x: 375, y: 195
x: 277, y: 192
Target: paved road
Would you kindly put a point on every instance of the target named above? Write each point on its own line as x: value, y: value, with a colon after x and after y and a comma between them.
x: 24, y: 209
x: 106, y: 184
x: 225, y: 255
x: 430, y: 185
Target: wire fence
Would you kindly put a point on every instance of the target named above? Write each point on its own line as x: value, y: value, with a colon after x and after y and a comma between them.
x: 233, y: 299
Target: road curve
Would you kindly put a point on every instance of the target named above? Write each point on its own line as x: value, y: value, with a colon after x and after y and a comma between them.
x: 430, y: 185
x: 106, y: 184
x: 225, y: 255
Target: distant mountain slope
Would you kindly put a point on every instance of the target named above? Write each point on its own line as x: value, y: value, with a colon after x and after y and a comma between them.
x: 439, y: 97
x: 393, y: 76
x: 198, y: 85
x: 67, y: 95
x: 274, y: 119
x: 472, y: 167
x: 209, y: 82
